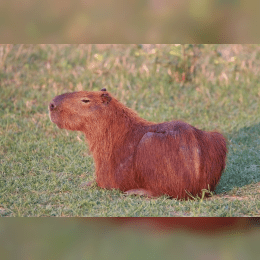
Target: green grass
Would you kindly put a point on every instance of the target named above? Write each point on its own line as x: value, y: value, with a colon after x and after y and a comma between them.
x: 43, y: 169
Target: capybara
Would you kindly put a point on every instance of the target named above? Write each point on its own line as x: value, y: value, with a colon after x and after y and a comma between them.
x: 137, y: 156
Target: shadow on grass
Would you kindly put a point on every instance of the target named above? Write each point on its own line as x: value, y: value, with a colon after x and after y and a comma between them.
x: 243, y: 161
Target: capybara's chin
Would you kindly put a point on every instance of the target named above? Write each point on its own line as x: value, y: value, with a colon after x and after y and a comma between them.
x: 138, y: 156
x: 53, y: 117
x: 59, y: 125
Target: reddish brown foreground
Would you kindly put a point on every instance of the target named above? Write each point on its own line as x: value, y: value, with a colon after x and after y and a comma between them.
x: 198, y: 225
x: 137, y: 156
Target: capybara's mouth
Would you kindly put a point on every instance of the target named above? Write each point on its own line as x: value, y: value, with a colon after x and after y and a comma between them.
x: 54, y: 119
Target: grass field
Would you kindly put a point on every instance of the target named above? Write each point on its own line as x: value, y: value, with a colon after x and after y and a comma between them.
x: 43, y: 169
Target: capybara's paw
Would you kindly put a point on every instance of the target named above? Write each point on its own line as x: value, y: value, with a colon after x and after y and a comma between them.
x: 140, y: 192
x: 86, y: 184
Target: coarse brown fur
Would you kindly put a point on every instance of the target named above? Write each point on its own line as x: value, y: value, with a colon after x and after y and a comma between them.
x: 130, y: 153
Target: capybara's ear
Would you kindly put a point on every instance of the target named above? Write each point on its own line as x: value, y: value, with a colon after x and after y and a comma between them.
x: 103, y: 89
x: 105, y: 98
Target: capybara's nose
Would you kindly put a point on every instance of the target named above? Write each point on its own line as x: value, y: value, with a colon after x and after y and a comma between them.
x: 52, y: 106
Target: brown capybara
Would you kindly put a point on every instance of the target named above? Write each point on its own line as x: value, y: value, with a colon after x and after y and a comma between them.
x: 137, y: 156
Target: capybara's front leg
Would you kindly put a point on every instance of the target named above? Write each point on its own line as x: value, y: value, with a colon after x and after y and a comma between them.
x: 87, y: 184
x: 140, y: 192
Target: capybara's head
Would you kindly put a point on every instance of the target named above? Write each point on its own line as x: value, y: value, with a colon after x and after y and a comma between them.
x: 76, y: 110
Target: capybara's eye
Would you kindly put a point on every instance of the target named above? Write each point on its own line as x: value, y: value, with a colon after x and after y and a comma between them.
x: 85, y: 100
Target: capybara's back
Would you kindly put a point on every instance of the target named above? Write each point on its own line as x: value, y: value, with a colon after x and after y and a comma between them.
x: 132, y: 154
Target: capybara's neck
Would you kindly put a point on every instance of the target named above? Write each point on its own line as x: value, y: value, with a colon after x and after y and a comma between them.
x: 113, y: 125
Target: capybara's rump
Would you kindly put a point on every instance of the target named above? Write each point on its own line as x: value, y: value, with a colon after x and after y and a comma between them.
x: 178, y: 159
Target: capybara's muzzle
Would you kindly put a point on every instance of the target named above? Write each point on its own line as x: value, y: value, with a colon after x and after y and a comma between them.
x: 52, y: 106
